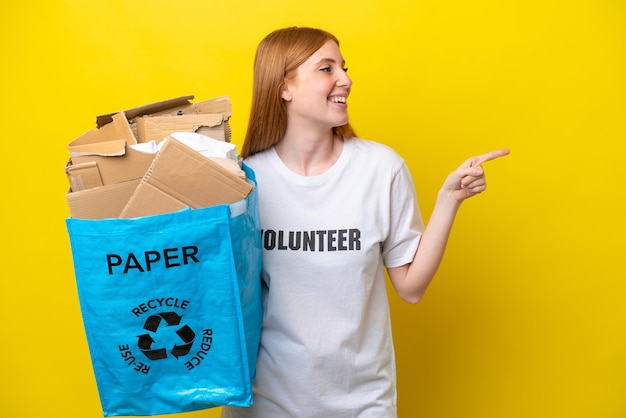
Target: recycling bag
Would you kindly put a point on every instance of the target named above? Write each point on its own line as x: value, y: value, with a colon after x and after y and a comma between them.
x: 171, y: 306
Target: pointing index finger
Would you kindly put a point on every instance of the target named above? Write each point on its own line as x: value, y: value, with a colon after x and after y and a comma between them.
x: 476, y: 161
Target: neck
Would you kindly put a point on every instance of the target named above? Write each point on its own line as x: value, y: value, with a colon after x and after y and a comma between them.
x: 309, y: 154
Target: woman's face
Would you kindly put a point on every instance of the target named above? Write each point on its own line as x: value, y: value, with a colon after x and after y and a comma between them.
x: 316, y: 92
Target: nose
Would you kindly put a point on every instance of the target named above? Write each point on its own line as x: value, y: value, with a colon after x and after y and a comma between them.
x: 344, y: 80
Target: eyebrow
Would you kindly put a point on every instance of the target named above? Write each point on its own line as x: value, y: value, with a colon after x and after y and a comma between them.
x: 329, y: 60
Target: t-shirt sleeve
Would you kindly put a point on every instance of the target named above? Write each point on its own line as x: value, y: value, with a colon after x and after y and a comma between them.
x: 406, y: 224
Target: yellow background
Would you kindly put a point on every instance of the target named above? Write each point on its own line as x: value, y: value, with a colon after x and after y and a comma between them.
x: 526, y: 317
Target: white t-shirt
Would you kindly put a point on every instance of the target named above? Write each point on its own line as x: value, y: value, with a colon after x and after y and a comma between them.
x: 326, y: 346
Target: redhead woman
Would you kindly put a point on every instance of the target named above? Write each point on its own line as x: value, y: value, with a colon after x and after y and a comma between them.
x: 337, y: 211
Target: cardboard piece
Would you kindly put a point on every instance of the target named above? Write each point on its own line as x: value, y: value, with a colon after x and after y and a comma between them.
x: 181, y: 177
x: 83, y: 176
x: 156, y: 128
x: 113, y: 169
x: 108, y: 145
x: 128, y: 120
x: 109, y: 140
x: 230, y: 165
x: 151, y: 108
x: 101, y: 202
x: 109, y: 178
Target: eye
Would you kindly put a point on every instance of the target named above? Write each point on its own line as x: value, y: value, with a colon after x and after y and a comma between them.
x: 325, y: 69
x: 345, y: 69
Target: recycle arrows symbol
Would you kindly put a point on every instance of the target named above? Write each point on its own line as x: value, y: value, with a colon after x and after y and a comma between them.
x: 187, y: 335
x: 152, y: 323
x: 145, y: 344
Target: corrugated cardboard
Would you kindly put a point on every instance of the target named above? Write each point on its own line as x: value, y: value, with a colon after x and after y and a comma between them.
x: 181, y: 106
x: 108, y: 140
x: 181, y: 177
x: 151, y: 108
x: 156, y: 128
x: 113, y: 169
x: 108, y: 145
x: 83, y: 176
x: 101, y: 202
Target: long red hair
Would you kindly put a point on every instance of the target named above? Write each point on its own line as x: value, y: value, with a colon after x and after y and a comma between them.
x: 279, y: 53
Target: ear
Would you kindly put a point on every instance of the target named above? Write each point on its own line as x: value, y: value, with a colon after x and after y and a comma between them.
x: 285, y: 92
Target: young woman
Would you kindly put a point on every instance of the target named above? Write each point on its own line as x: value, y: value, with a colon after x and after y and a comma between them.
x: 336, y: 211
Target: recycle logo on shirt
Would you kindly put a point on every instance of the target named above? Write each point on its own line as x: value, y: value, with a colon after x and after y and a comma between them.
x: 155, y: 345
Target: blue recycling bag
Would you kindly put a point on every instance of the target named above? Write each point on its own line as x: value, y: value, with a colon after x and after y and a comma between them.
x: 171, y: 306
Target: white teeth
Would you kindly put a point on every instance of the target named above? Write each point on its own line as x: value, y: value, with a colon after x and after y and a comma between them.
x: 338, y: 99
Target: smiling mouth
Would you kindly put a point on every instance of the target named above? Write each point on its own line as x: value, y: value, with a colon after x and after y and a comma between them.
x: 338, y: 99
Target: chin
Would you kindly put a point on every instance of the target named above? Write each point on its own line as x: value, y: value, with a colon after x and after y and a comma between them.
x: 341, y: 123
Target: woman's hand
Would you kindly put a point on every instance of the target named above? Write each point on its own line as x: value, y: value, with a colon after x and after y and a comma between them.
x: 411, y: 280
x: 469, y: 179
